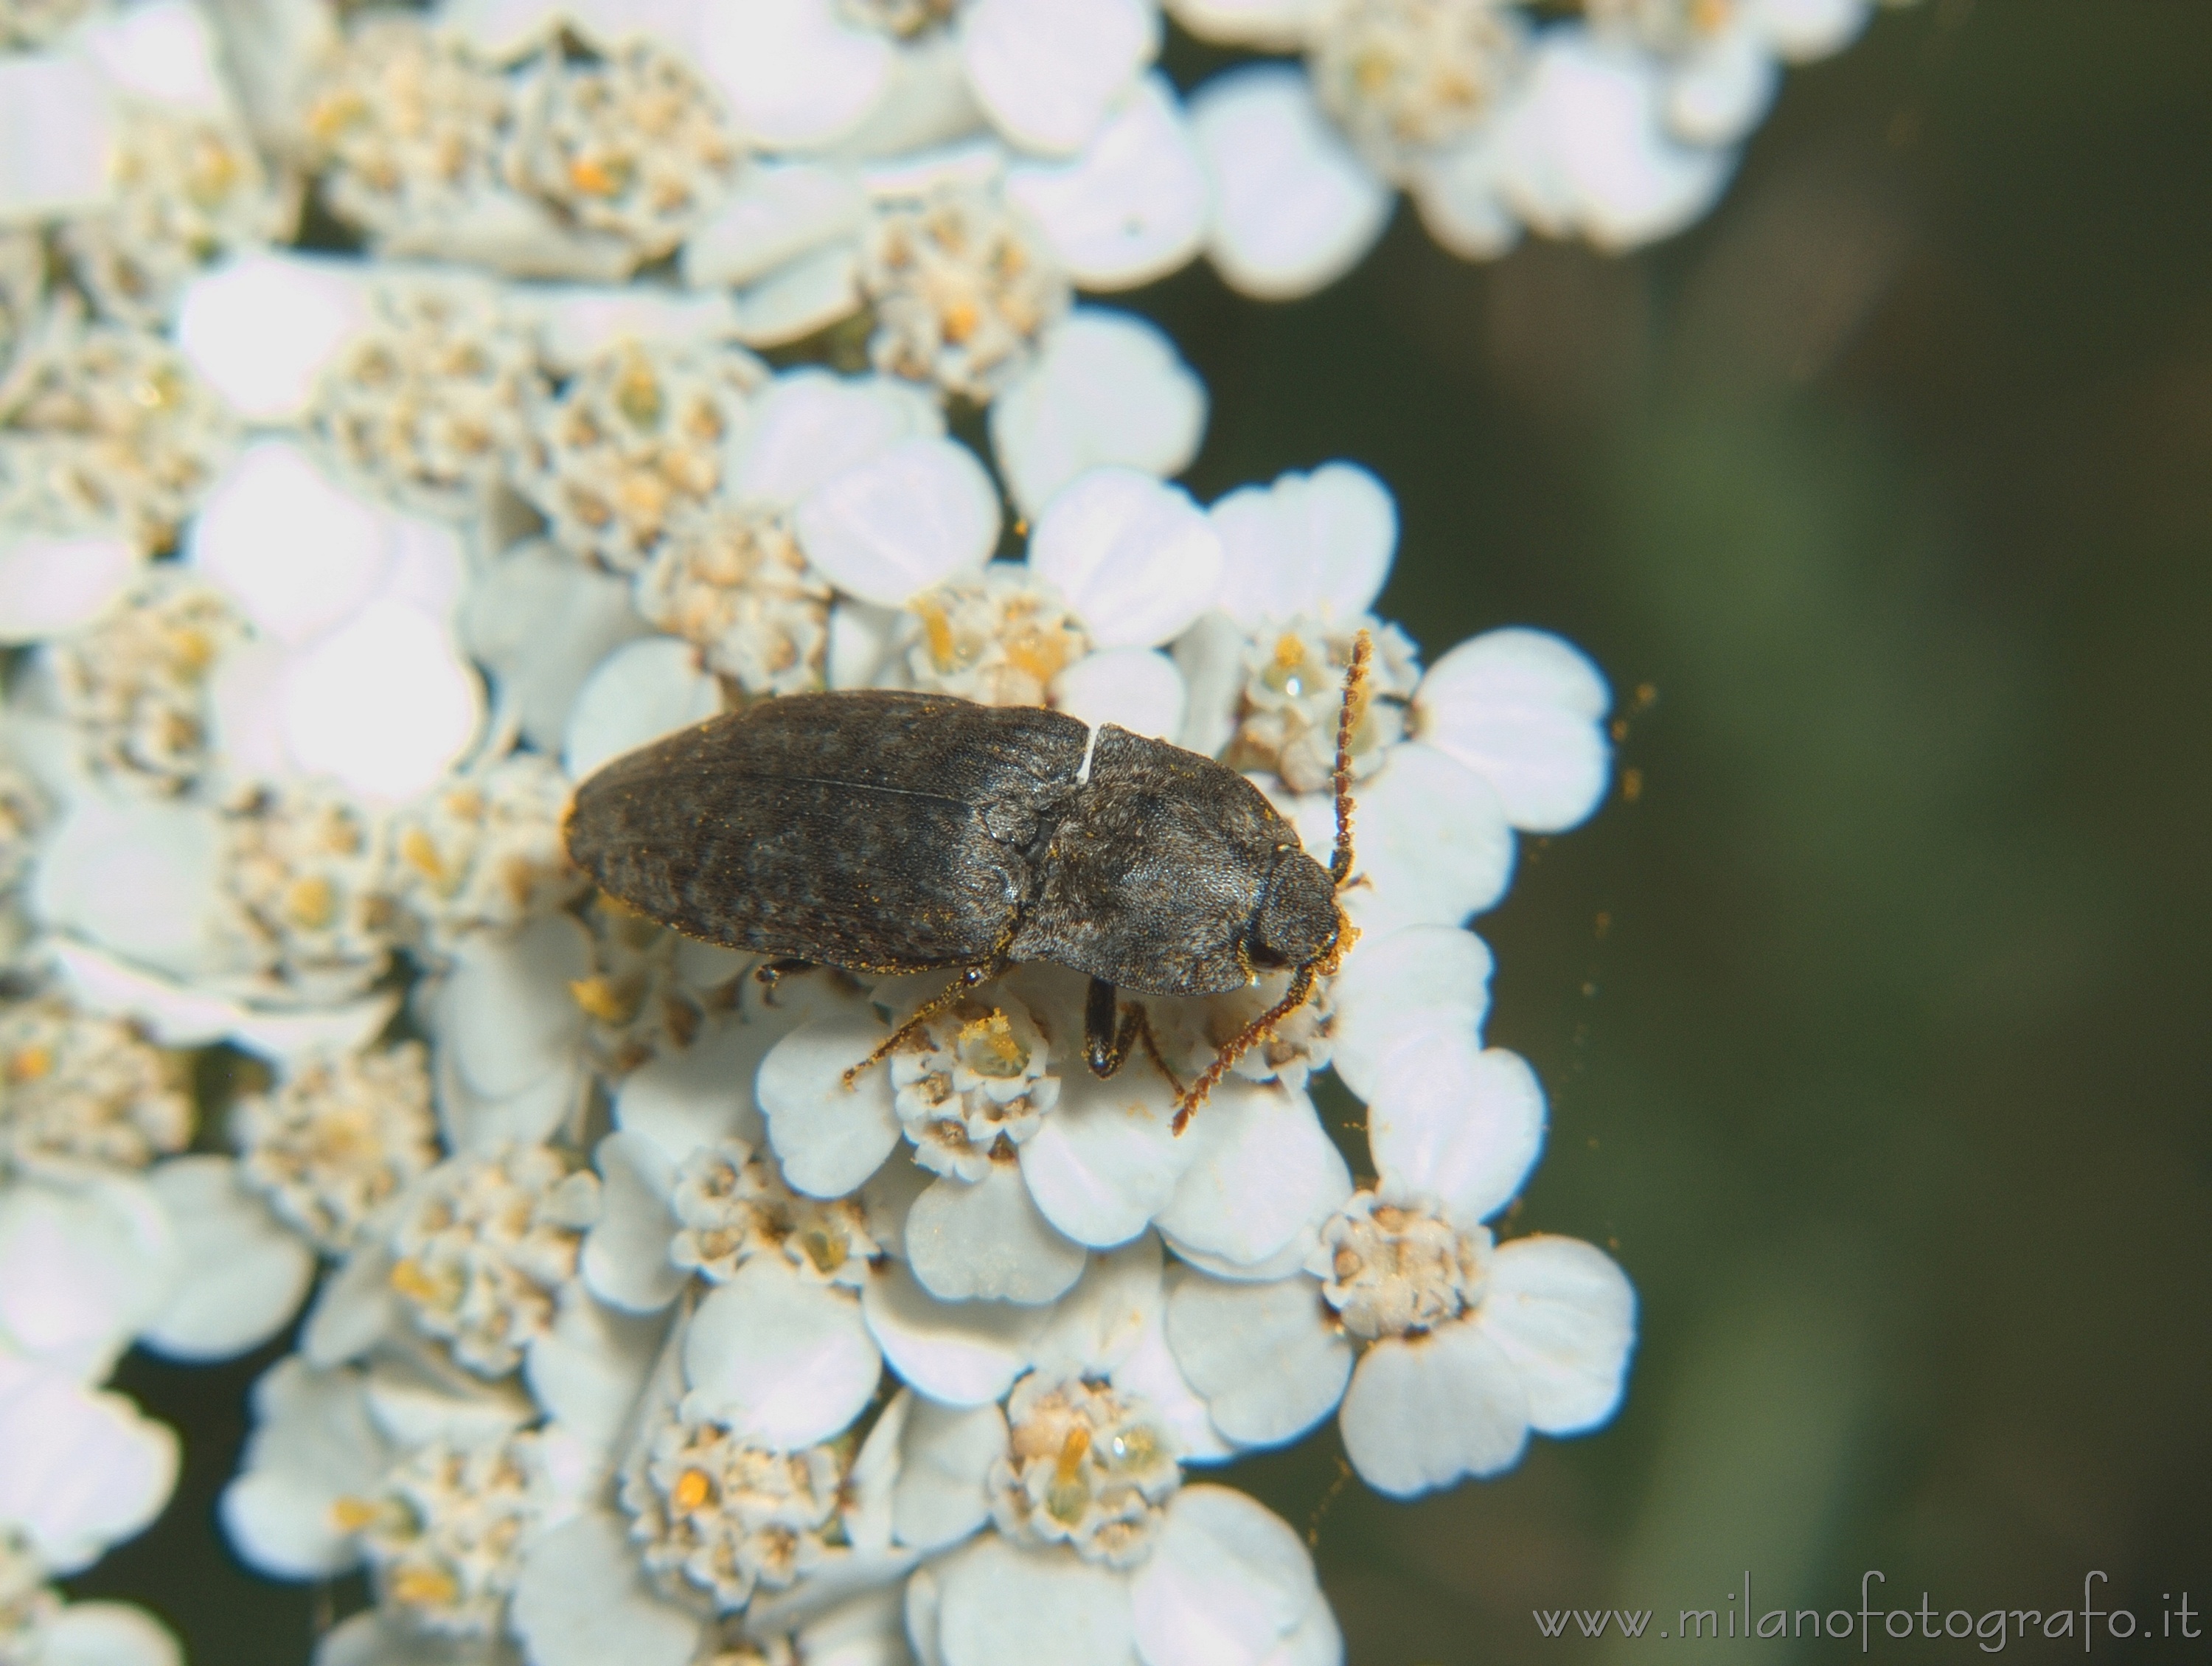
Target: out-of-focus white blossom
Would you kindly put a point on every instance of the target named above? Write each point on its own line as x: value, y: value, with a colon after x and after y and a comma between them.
x: 36, y: 1623
x: 1618, y: 127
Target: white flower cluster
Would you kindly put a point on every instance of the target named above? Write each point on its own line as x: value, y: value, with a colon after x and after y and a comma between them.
x: 1620, y: 124
x: 641, y: 1329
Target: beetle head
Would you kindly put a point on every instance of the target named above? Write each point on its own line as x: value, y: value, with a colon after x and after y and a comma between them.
x: 1297, y: 921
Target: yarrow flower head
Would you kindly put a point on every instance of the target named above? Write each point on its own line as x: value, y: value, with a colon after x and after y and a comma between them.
x: 77, y: 1089
x: 338, y: 1136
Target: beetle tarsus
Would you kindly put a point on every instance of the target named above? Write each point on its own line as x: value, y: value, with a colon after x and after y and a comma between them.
x: 1107, y: 1042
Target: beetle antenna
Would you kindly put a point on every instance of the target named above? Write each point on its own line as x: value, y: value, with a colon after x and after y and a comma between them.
x: 1347, y: 718
x: 1302, y: 983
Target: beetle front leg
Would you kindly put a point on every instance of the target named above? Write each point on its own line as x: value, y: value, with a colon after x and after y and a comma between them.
x: 1106, y: 1043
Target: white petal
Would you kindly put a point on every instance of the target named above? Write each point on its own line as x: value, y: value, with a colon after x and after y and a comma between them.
x: 1432, y: 843
x: 829, y: 1137
x: 1525, y: 710
x: 1108, y: 388
x: 1564, y: 1314
x: 107, y: 1634
x: 1586, y: 151
x: 1719, y: 92
x: 1136, y: 559
x: 781, y: 1358
x: 1294, y: 209
x: 810, y: 427
x: 1107, y: 1160
x: 1265, y: 1357
x: 1456, y: 1123
x: 945, y: 1460
x: 910, y: 517
x: 793, y: 73
x: 178, y: 1017
x: 56, y: 130
x: 262, y: 329
x: 1151, y: 1373
x: 988, y: 1241
x: 800, y: 296
x: 1264, y: 1169
x: 1319, y: 542
x: 1097, y: 1325
x: 1048, y: 71
x: 384, y: 704
x: 295, y: 550
x: 999, y: 1606
x: 582, y: 1600
x: 681, y: 1101
x: 1133, y: 206
x: 414, y: 1397
x: 163, y: 50
x: 1136, y: 689
x: 79, y: 1471
x: 353, y: 1311
x: 1400, y: 983
x: 1211, y: 657
x: 641, y: 691
x: 48, y: 585
x: 542, y: 622
x: 625, y: 1259
x: 1228, y: 1580
x: 781, y: 211
x: 505, y: 1011
x: 1461, y: 193
x: 1279, y: 24
x: 503, y: 31
x: 245, y: 1274
x: 82, y: 1265
x: 1423, y: 1411
x: 577, y: 324
x: 313, y: 1443
x: 136, y: 877
x: 958, y: 1353
x: 589, y: 1369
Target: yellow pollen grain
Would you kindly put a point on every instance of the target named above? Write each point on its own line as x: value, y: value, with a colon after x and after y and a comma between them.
x: 993, y: 1036
x: 604, y: 999
x: 589, y: 176
x: 1290, y: 653
x: 692, y: 1488
x: 937, y: 627
x: 424, y: 1588
x: 960, y: 321
x: 1072, y: 1450
x: 420, y: 851
x: 409, y: 1278
x: 28, y: 1064
x: 311, y: 902
x: 351, y: 1514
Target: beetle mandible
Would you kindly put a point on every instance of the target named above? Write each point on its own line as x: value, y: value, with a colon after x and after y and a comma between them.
x: 883, y: 832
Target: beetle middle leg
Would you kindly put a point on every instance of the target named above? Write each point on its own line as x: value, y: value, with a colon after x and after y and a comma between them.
x: 973, y: 979
x: 1106, y: 1044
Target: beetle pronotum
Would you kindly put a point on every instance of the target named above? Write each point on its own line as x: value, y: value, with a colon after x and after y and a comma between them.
x: 886, y: 832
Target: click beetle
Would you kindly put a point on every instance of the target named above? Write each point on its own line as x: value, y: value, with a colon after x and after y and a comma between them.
x: 883, y: 832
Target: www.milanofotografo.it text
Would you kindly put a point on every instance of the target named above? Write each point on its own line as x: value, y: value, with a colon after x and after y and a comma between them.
x: 1988, y: 1630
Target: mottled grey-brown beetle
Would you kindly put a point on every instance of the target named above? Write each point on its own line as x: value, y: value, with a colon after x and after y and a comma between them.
x: 887, y: 832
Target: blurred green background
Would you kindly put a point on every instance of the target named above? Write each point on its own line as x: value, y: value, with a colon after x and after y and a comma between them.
x: 1875, y: 1019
